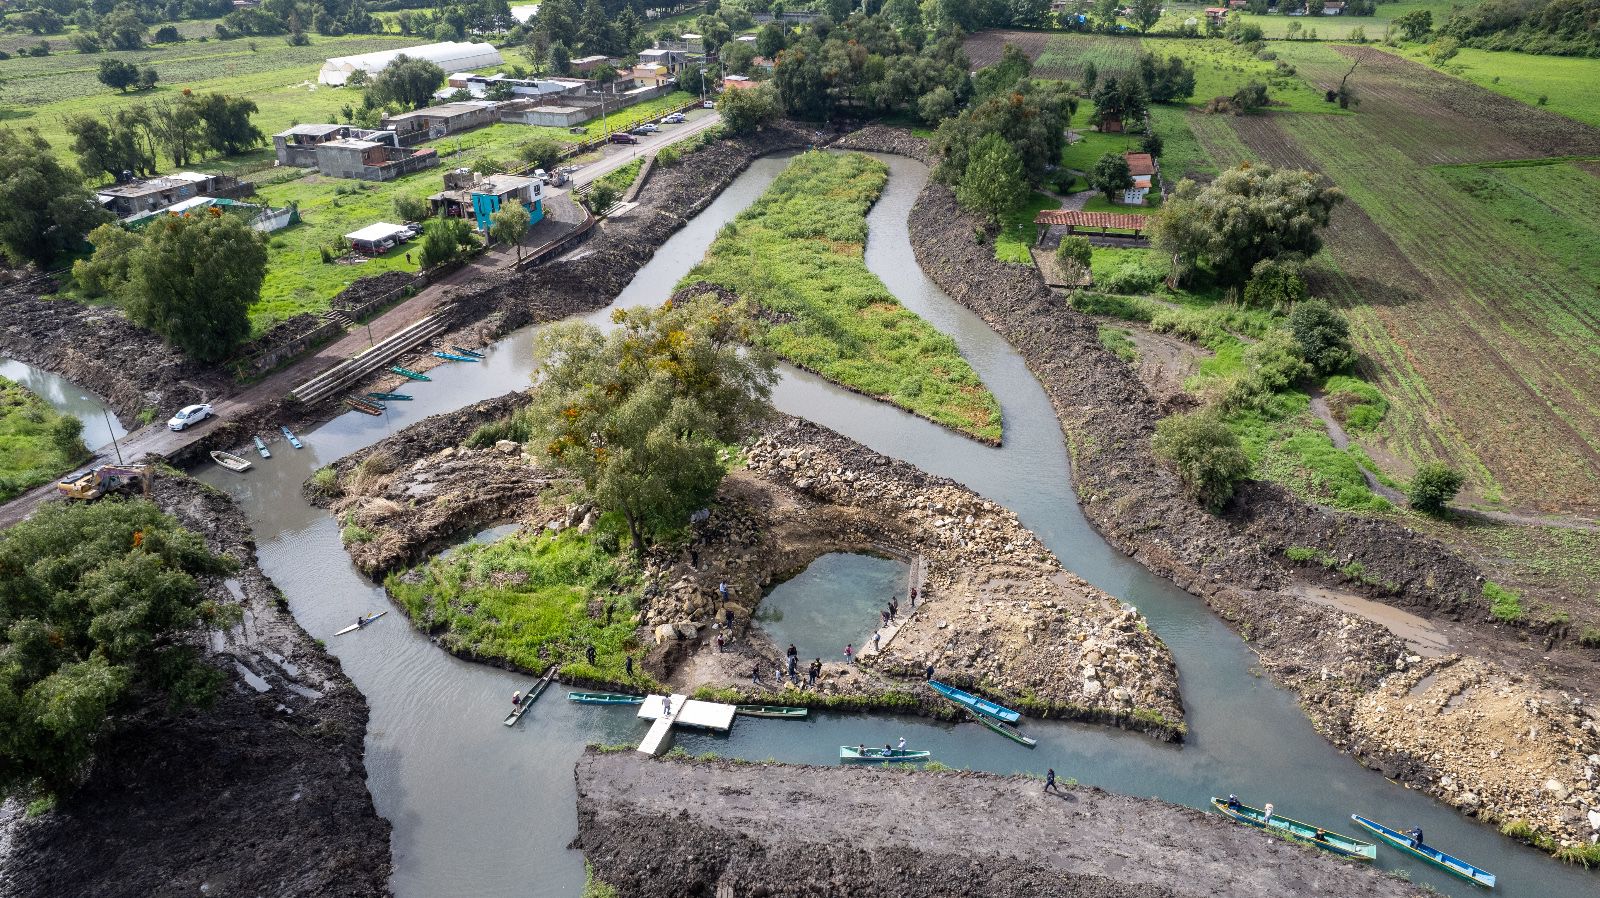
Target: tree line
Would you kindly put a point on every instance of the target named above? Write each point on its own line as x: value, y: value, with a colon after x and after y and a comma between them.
x: 183, y: 129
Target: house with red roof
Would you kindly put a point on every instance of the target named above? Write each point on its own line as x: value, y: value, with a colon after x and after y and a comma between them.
x: 1144, y: 169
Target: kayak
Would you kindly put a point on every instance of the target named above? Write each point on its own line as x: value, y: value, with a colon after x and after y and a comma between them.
x: 1342, y: 845
x: 1427, y: 852
x: 293, y: 440
x: 453, y: 356
x: 465, y: 351
x: 362, y: 622
x: 407, y: 372
x: 521, y: 708
x: 390, y: 397
x: 604, y: 698
x: 981, y: 705
x: 261, y: 447
x: 855, y: 754
x: 1006, y: 730
x: 778, y: 711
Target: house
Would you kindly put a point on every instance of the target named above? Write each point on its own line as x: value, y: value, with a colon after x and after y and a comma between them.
x: 377, y: 239
x: 297, y: 146
x: 480, y: 85
x: 434, y: 122
x: 763, y: 64
x: 645, y: 76
x: 452, y: 56
x: 1238, y: 4
x: 1143, y: 167
x: 1216, y: 15
x: 1333, y: 8
x: 371, y: 160
x: 1106, y: 226
x: 477, y: 199
x: 588, y: 64
x: 673, y: 59
x: 739, y: 82
x: 136, y: 198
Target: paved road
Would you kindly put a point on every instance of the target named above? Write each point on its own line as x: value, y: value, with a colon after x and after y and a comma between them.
x: 157, y: 439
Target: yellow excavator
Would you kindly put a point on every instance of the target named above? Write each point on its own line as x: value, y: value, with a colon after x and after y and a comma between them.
x: 107, y: 479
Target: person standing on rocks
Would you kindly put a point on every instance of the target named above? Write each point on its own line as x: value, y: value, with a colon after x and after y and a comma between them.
x: 629, y: 666
x: 719, y: 643
x: 722, y: 590
x: 1050, y: 781
x: 794, y: 666
x: 755, y: 674
x: 814, y: 671
x: 929, y: 672
x: 849, y: 653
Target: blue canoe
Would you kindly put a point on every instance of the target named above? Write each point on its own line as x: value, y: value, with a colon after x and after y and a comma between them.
x: 293, y: 440
x: 390, y: 397
x: 453, y: 356
x: 1426, y: 852
x: 407, y: 372
x: 981, y: 705
x: 261, y: 447
x: 604, y: 698
x: 465, y: 351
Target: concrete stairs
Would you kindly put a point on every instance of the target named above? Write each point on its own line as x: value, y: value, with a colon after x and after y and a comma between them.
x: 364, y: 363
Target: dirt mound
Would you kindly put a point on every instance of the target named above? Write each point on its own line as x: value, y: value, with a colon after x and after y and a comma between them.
x: 775, y: 830
x: 264, y: 793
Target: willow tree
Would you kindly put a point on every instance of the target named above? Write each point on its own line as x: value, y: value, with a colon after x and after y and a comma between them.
x: 641, y: 413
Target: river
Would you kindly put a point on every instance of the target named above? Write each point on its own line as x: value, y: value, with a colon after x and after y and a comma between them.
x: 100, y: 424
x: 481, y: 810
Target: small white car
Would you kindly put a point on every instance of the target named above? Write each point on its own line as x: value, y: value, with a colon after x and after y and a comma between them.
x: 648, y: 128
x: 674, y: 119
x: 189, y: 414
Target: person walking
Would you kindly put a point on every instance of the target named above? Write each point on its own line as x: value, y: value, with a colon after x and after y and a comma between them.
x: 875, y: 637
x: 894, y: 608
x: 849, y: 653
x: 1050, y: 781
x: 629, y: 666
x: 666, y: 706
x: 719, y: 643
x: 755, y: 674
x: 883, y: 618
x: 722, y: 590
x: 588, y: 653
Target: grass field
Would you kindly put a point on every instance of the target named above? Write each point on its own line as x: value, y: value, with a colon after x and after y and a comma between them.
x: 1017, y: 230
x: 1220, y: 68
x: 525, y: 599
x: 1339, y: 27
x: 37, y: 443
x: 798, y: 253
x: 1567, y: 83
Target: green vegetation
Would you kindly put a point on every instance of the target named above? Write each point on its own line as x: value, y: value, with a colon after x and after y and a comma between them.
x: 798, y: 253
x: 1504, y: 604
x: 1247, y: 215
x: 1118, y: 341
x: 1206, y: 454
x: 1222, y: 68
x: 620, y: 180
x: 532, y: 600
x: 1092, y: 145
x: 1565, y: 82
x: 594, y: 886
x: 992, y: 184
x: 44, y: 209
x: 1016, y: 234
x: 1355, y: 403
x: 1287, y: 444
x: 642, y: 414
x: 37, y: 443
x: 1433, y: 486
x: 98, y: 599
x: 192, y: 280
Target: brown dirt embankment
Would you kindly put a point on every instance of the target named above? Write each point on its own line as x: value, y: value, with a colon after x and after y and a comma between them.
x: 264, y: 793
x: 1237, y: 562
x: 774, y: 830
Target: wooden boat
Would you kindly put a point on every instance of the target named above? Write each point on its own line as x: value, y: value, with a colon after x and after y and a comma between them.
x: 369, y: 403
x: 452, y: 356
x: 1342, y: 845
x: 407, y: 372
x: 1006, y: 730
x: 390, y: 397
x: 851, y: 754
x: 604, y: 698
x: 362, y: 407
x: 538, y: 689
x: 293, y: 440
x: 230, y: 461
x: 362, y: 622
x: 261, y: 447
x: 465, y: 351
x: 981, y: 705
x: 1427, y: 852
x: 779, y: 711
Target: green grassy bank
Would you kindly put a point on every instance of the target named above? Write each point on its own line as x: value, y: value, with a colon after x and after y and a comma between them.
x: 37, y: 443
x: 799, y: 253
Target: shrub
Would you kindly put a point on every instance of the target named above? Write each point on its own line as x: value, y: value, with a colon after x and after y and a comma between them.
x: 1323, y: 335
x: 1434, y: 485
x: 1356, y: 403
x: 327, y: 480
x: 1131, y: 273
x: 355, y: 534
x: 1206, y: 455
x: 1275, y: 284
x: 1504, y: 604
x: 411, y: 208
x: 1074, y: 251
x: 1117, y: 340
x: 1590, y: 637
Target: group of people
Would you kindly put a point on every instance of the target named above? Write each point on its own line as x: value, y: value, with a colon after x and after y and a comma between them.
x: 789, y: 671
x: 1321, y: 835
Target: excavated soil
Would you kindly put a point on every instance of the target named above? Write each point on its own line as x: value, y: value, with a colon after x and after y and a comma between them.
x: 262, y: 794
x: 773, y: 830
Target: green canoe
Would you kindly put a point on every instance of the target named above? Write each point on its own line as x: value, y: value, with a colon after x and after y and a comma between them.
x: 858, y: 755
x: 772, y: 711
x: 604, y: 698
x: 1344, y: 846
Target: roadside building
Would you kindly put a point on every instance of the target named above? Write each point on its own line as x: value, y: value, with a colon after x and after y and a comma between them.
x: 132, y: 198
x: 586, y: 64
x: 1144, y: 169
x: 298, y: 145
x: 370, y: 160
x: 434, y: 122
x: 452, y: 56
x: 476, y: 199
x: 1333, y: 8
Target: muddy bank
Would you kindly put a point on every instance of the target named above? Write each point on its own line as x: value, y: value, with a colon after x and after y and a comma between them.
x: 763, y: 829
x: 264, y: 793
x: 1236, y: 562
x: 997, y: 612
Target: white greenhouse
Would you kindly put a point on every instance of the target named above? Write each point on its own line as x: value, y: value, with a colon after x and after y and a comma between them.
x: 452, y: 56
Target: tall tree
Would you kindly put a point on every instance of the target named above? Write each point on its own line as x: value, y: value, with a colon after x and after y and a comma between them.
x: 118, y: 75
x: 509, y: 224
x: 407, y: 81
x: 641, y: 413
x: 179, y: 130
x: 44, y: 208
x: 1249, y: 213
x: 112, y: 145
x: 98, y: 601
x: 1111, y: 175
x: 745, y: 110
x: 228, y: 129
x: 992, y: 184
x: 1206, y: 454
x: 195, y: 280
x: 1146, y: 13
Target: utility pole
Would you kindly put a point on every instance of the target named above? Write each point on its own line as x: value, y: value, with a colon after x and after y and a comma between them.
x: 702, y: 87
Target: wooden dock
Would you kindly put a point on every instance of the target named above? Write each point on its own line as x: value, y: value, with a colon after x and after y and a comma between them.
x: 684, y: 711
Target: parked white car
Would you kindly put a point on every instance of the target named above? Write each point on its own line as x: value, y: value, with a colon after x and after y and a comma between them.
x: 189, y: 414
x: 674, y: 119
x: 648, y: 128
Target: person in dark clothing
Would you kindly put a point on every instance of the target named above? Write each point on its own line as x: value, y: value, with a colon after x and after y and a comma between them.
x: 913, y: 597
x: 629, y: 665
x: 1415, y: 833
x: 794, y: 665
x: 793, y: 652
x: 588, y: 653
x: 755, y: 673
x: 930, y: 671
x: 1233, y: 802
x: 1050, y: 781
x: 894, y: 608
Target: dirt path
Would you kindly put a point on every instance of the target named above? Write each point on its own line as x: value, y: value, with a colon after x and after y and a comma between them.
x: 790, y: 830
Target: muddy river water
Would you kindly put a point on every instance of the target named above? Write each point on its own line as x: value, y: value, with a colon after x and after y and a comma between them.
x: 481, y: 810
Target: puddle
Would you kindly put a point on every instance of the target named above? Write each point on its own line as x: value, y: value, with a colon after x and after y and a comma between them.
x: 497, y: 532
x: 834, y: 601
x: 1423, y: 685
x: 1421, y: 636
x: 256, y: 682
x: 234, y: 588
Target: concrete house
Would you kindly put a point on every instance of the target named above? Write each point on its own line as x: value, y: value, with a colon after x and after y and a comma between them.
x: 370, y: 160
x: 434, y: 122
x: 1144, y: 169
x: 297, y: 146
x: 588, y: 64
x: 476, y: 199
x: 136, y: 198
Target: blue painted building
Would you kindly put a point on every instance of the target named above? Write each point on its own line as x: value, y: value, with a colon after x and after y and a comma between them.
x: 477, y: 199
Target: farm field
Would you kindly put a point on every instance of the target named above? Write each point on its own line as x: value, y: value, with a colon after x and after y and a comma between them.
x: 798, y: 253
x: 1057, y: 56
x: 1566, y: 82
x: 1220, y: 68
x: 282, y: 80
x: 1339, y: 27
